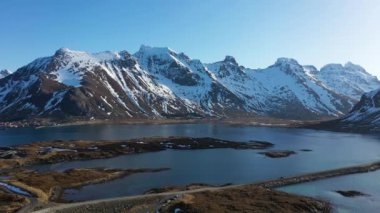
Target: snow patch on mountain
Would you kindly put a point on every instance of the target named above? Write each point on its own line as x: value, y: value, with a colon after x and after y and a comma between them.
x: 17, y: 89
x: 69, y: 77
x: 55, y: 100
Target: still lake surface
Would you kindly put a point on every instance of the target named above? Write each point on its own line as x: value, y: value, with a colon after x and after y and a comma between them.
x: 219, y: 166
x: 367, y: 183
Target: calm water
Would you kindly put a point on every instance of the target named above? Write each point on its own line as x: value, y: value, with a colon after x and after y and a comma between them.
x: 367, y: 183
x: 330, y: 150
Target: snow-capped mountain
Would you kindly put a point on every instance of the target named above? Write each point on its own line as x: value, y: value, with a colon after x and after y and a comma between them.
x: 365, y: 115
x: 367, y: 110
x: 282, y: 90
x: 161, y: 83
x: 296, y: 92
x: 189, y: 81
x: 349, y: 79
x: 73, y: 83
x: 4, y: 73
x: 156, y: 82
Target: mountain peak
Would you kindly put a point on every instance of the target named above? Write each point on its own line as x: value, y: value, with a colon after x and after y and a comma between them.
x: 310, y: 69
x: 332, y: 67
x: 65, y: 53
x: 230, y: 59
x: 155, y: 50
x: 62, y: 50
x: 284, y: 61
x: 354, y: 67
x: 348, y: 67
x: 4, y: 73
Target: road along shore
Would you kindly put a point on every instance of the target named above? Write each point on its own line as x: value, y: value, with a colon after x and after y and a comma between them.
x: 84, y: 207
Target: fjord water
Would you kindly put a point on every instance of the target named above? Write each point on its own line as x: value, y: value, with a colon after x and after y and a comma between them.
x: 219, y: 166
x: 367, y: 183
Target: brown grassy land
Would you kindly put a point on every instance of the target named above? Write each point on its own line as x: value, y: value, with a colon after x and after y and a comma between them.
x: 61, y: 151
x: 49, y: 186
x: 245, y: 199
x: 10, y: 202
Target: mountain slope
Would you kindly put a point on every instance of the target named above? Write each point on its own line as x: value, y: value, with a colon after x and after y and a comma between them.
x: 349, y: 79
x: 161, y: 83
x: 71, y: 83
x: 365, y: 116
x: 4, y: 73
x: 189, y: 80
x: 283, y: 90
x: 114, y: 85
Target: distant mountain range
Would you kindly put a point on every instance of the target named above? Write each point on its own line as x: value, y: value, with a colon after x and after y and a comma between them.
x: 161, y: 83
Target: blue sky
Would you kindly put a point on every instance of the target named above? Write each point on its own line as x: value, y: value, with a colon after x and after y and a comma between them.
x: 256, y: 32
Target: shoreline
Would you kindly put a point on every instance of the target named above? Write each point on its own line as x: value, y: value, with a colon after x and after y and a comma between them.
x: 61, y: 151
x: 254, y: 121
x: 58, y: 151
x: 53, y: 189
x: 317, y: 125
x: 48, y: 186
x: 310, y: 177
x: 269, y: 184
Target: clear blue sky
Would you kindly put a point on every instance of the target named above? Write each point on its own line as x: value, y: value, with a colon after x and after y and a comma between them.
x: 256, y: 32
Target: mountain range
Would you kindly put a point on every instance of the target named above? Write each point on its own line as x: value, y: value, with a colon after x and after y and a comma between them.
x: 162, y: 83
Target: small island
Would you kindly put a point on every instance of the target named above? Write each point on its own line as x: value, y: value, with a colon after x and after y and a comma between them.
x: 278, y: 154
x: 350, y: 193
